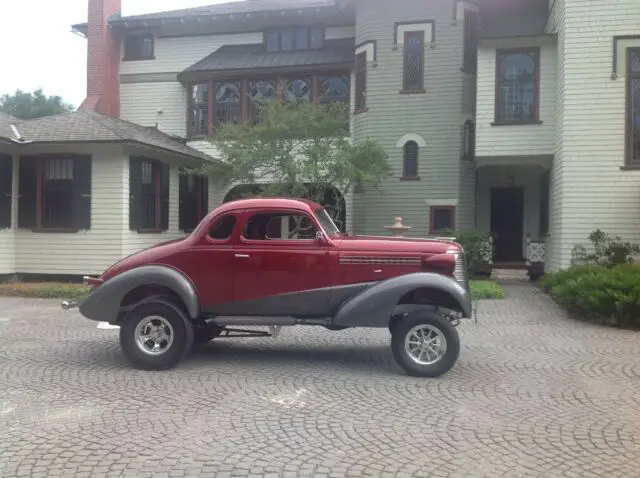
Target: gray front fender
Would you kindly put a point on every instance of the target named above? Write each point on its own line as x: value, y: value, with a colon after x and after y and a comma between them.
x: 103, y: 303
x: 374, y: 306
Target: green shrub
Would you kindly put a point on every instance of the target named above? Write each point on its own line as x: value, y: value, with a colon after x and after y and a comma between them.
x: 475, y: 244
x: 608, y: 251
x: 608, y: 295
x: 486, y: 289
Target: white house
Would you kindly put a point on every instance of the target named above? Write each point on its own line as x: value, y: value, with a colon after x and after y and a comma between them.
x: 517, y: 118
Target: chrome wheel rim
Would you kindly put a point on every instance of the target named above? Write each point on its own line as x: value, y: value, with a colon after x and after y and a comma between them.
x: 425, y: 344
x: 154, y: 335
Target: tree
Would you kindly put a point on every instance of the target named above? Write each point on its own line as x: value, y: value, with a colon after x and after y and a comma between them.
x: 27, y: 106
x: 302, y: 150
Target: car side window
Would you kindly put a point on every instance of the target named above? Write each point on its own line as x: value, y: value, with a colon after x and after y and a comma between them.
x: 223, y: 227
x: 279, y: 226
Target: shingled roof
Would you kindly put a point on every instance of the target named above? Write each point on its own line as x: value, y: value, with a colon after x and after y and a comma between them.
x: 254, y: 57
x: 85, y: 126
x: 5, y: 124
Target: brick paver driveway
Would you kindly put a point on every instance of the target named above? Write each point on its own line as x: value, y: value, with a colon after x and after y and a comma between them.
x: 533, y: 394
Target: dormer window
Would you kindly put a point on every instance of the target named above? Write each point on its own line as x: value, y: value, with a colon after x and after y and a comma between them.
x: 294, y: 38
x: 139, y: 46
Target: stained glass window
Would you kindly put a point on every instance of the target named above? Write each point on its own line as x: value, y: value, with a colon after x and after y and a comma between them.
x: 517, y: 88
x: 413, y: 61
x: 297, y: 90
x: 410, y: 160
x: 333, y: 88
x: 200, y: 109
x: 228, y: 107
x: 259, y: 92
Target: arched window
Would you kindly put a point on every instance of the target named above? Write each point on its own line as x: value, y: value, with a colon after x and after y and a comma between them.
x: 469, y: 141
x: 410, y: 160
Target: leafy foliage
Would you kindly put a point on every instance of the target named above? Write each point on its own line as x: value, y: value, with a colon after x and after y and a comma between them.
x: 608, y: 250
x: 475, y: 244
x: 27, y: 106
x: 605, y: 294
x: 300, y: 150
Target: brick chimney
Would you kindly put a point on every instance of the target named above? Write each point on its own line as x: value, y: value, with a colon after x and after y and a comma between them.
x: 103, y: 59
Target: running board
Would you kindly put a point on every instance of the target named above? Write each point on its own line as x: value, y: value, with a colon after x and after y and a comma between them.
x: 224, y: 320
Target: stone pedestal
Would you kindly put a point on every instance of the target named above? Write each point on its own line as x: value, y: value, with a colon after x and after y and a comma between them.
x: 398, y: 228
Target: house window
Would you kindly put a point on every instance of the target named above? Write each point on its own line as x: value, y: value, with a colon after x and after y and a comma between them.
x: 410, y: 160
x: 138, y: 47
x: 470, y: 61
x: 441, y: 218
x: 194, y: 200
x: 228, y: 106
x: 148, y: 195
x: 517, y: 86
x: 333, y: 88
x: 469, y: 140
x: 413, y: 68
x: 55, y: 192
x: 6, y: 174
x: 260, y: 91
x: 298, y: 38
x: 297, y: 90
x: 633, y: 105
x: 361, y: 82
x: 199, y: 114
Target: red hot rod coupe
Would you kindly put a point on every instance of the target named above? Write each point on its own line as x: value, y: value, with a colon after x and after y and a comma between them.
x: 280, y: 262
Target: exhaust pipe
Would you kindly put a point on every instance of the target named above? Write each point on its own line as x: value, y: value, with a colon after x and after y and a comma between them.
x: 69, y: 304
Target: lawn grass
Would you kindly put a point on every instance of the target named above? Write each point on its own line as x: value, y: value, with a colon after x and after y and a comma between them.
x: 480, y: 289
x: 486, y: 289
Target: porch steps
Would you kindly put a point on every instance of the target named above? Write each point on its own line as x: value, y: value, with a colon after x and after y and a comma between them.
x: 510, y: 275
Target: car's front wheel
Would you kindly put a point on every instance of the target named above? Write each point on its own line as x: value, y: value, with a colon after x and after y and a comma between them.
x: 425, y: 344
x: 156, y: 335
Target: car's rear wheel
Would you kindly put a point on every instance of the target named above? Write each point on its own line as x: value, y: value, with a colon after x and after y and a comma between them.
x: 425, y: 344
x: 156, y: 335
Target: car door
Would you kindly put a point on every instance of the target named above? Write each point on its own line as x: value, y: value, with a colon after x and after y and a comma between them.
x: 210, y: 263
x: 280, y: 267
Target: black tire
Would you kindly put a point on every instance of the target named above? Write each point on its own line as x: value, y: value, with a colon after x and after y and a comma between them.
x: 180, y: 326
x: 403, y: 327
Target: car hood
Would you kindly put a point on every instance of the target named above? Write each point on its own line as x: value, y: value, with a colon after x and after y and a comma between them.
x: 395, y: 244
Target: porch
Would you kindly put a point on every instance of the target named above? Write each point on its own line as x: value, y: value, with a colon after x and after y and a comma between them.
x: 512, y: 209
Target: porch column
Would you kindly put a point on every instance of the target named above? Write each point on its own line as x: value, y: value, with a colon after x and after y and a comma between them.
x: 15, y: 181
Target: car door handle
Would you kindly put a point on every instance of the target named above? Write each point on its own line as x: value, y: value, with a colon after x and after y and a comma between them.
x: 242, y: 255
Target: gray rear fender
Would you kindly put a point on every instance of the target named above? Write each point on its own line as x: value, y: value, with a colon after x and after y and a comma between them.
x: 375, y: 306
x: 103, y: 303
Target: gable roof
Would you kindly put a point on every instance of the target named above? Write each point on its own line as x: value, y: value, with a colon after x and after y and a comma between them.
x: 84, y: 126
x: 254, y: 57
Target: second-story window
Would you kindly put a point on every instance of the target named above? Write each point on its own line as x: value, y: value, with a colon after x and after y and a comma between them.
x: 361, y: 82
x: 228, y: 107
x: 468, y: 140
x: 138, y: 46
x: 517, y: 86
x: 633, y: 105
x: 199, y: 114
x: 410, y: 160
x: 333, y: 88
x: 294, y: 38
x: 413, y: 68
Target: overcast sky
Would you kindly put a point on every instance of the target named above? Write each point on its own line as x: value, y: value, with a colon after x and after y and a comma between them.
x: 39, y: 50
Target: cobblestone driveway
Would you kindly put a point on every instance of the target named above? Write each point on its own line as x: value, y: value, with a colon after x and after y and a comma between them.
x: 533, y: 394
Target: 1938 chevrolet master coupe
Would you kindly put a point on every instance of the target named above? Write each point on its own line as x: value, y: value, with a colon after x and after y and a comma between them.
x: 281, y: 262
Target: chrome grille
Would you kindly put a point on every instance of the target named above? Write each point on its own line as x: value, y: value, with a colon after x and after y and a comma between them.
x: 460, y: 272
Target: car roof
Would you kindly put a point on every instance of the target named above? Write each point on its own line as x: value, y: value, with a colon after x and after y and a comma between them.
x: 274, y: 202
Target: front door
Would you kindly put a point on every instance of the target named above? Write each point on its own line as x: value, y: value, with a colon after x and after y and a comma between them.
x: 281, y: 268
x: 506, y: 223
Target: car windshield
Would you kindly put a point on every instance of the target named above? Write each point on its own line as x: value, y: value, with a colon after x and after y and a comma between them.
x: 327, y: 223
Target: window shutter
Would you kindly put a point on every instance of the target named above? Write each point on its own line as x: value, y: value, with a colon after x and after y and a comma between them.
x: 135, y: 192
x: 165, y: 172
x: 6, y: 174
x: 27, y: 192
x: 183, y: 203
x: 82, y: 192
